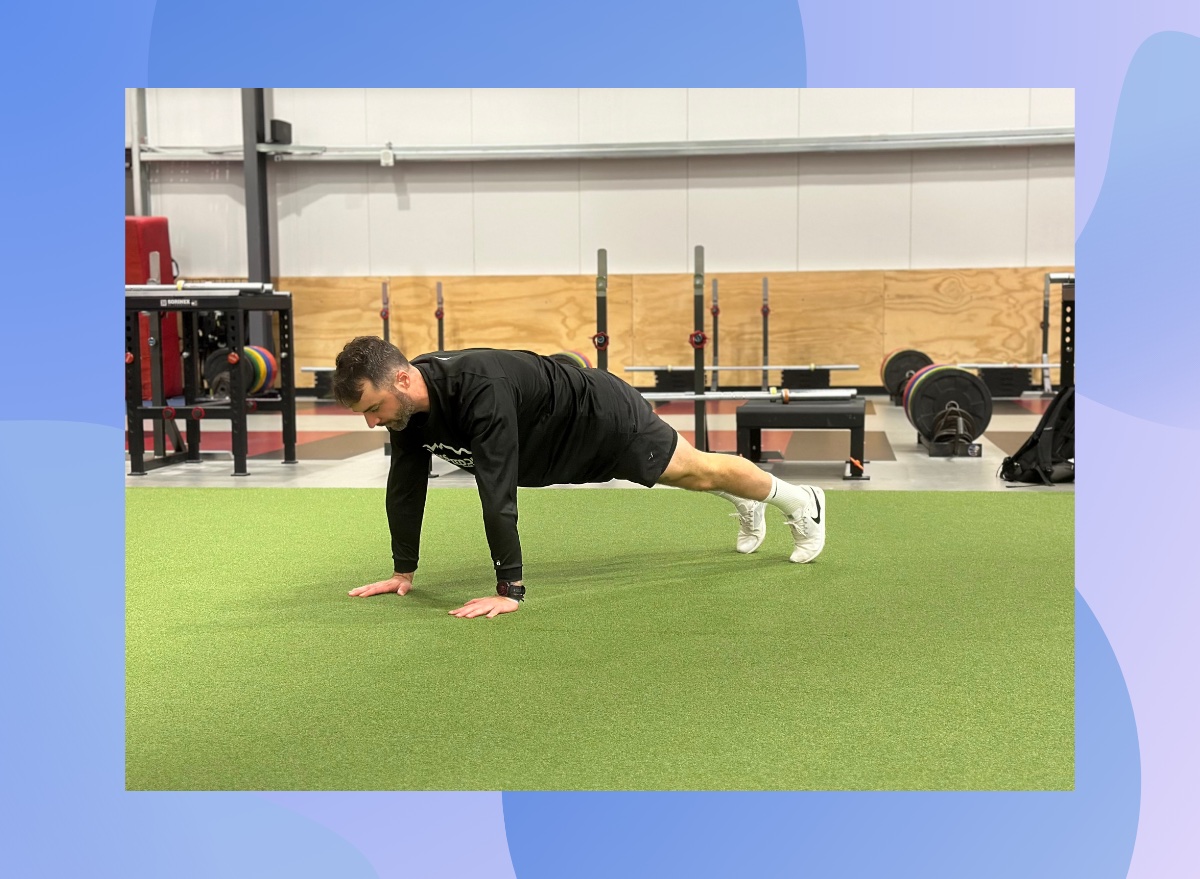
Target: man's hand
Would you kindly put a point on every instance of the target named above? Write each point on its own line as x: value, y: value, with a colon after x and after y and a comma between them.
x: 491, y: 606
x: 400, y: 583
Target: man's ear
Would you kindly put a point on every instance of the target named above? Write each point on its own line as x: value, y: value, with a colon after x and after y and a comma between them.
x: 402, y: 379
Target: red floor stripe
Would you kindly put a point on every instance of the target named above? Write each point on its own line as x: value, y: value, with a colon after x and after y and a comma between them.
x: 258, y: 442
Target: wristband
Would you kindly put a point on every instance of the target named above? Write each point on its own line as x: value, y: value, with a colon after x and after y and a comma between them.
x: 515, y: 591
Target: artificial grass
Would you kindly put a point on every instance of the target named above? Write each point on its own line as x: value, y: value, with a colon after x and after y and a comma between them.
x: 929, y: 647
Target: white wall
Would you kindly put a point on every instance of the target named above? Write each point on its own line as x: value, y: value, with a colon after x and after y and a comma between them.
x: 934, y: 209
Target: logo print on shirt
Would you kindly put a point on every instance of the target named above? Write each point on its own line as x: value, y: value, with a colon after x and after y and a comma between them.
x: 452, y: 455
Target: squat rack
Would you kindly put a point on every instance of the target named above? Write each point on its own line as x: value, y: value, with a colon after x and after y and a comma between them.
x: 190, y: 299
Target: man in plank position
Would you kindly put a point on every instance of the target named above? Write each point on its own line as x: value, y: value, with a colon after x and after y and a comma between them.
x: 516, y: 418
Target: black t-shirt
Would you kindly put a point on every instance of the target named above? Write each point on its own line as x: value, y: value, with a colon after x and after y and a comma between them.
x: 511, y: 418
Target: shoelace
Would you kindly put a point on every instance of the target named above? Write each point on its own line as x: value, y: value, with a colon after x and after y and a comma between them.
x: 745, y: 519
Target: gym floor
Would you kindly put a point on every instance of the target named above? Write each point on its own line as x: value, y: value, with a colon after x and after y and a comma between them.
x: 335, y: 449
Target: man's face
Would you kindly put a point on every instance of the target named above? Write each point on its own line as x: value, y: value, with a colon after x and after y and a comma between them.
x: 388, y: 406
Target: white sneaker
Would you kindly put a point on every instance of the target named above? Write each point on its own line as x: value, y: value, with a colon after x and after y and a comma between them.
x: 752, y: 525
x: 808, y: 527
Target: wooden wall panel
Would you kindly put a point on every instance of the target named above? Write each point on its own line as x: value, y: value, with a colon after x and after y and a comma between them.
x: 662, y: 320
x: 542, y: 314
x: 816, y: 317
x: 972, y: 316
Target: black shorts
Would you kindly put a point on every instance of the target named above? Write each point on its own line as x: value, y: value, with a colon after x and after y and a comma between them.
x: 650, y: 447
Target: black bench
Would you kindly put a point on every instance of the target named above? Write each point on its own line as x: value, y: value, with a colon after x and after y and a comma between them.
x: 851, y: 415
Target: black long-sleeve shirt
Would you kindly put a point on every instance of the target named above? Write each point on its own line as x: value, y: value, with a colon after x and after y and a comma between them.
x: 511, y: 418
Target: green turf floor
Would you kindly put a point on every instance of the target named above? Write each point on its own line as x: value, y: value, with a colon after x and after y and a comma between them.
x: 929, y: 647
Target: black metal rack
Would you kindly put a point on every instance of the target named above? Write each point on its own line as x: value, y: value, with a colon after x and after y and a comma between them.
x: 237, y: 301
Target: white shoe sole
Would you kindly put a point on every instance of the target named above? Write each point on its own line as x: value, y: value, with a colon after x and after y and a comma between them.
x: 809, y: 555
x: 763, y: 519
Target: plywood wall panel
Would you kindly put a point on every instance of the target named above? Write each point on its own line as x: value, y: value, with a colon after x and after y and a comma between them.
x: 983, y: 315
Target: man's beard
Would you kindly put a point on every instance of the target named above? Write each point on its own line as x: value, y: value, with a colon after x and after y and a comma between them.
x: 403, y: 414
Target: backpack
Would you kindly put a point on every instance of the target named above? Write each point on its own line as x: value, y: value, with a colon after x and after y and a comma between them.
x: 1048, y: 456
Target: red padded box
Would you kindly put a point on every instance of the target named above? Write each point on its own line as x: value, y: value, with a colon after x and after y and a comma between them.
x: 143, y: 236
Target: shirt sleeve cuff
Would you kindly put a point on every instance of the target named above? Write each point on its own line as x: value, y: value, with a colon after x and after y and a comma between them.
x: 510, y: 574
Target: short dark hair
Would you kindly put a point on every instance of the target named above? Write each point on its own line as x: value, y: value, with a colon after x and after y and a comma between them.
x: 365, y: 359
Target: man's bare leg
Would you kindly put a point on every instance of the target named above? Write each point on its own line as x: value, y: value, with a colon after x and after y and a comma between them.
x: 749, y: 488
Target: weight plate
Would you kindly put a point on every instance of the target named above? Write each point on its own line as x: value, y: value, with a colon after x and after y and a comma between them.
x: 883, y: 365
x: 583, y: 360
x: 899, y: 366
x: 260, y: 369
x: 940, y: 389
x: 916, y: 381
x: 272, y: 367
x: 216, y: 372
x: 912, y: 381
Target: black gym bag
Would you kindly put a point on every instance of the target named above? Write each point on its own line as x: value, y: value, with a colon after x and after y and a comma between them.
x: 1048, y: 456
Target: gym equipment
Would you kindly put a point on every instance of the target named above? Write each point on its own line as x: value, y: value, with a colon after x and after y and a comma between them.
x: 715, y: 311
x: 1013, y: 379
x: 697, y: 340
x: 148, y: 260
x: 898, y: 367
x: 823, y: 413
x: 781, y: 395
x: 239, y: 366
x: 259, y: 367
x: 676, y: 378
x: 385, y: 312
x: 601, y: 339
x: 440, y: 315
x: 217, y: 367
x: 766, y: 316
x: 950, y: 408
x: 574, y: 358
x: 272, y: 366
x: 1066, y: 375
x: 795, y: 367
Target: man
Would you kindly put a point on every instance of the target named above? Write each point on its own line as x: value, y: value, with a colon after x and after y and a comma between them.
x: 516, y: 418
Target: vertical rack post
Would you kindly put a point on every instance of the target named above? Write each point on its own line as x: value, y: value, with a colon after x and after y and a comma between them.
x: 716, y: 358
x: 697, y: 341
x: 600, y: 340
x: 766, y: 323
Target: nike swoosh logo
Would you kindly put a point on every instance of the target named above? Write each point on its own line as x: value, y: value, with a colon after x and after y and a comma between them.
x: 817, y: 498
x: 442, y: 358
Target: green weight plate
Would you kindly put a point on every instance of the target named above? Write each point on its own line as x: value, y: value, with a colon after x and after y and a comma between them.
x: 260, y: 369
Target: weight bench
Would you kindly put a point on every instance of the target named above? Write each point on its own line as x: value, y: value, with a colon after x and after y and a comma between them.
x: 850, y: 415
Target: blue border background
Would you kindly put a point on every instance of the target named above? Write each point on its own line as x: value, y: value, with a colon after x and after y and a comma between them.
x: 61, y: 548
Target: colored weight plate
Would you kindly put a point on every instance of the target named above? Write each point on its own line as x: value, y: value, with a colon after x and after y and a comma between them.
x: 915, y: 383
x: 260, y: 368
x: 587, y: 364
x: 261, y: 372
x: 269, y: 364
x: 901, y: 365
x: 943, y: 388
x: 272, y: 367
x: 909, y: 385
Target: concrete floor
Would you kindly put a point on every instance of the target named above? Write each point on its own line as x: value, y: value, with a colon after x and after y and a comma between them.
x: 343, y: 464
